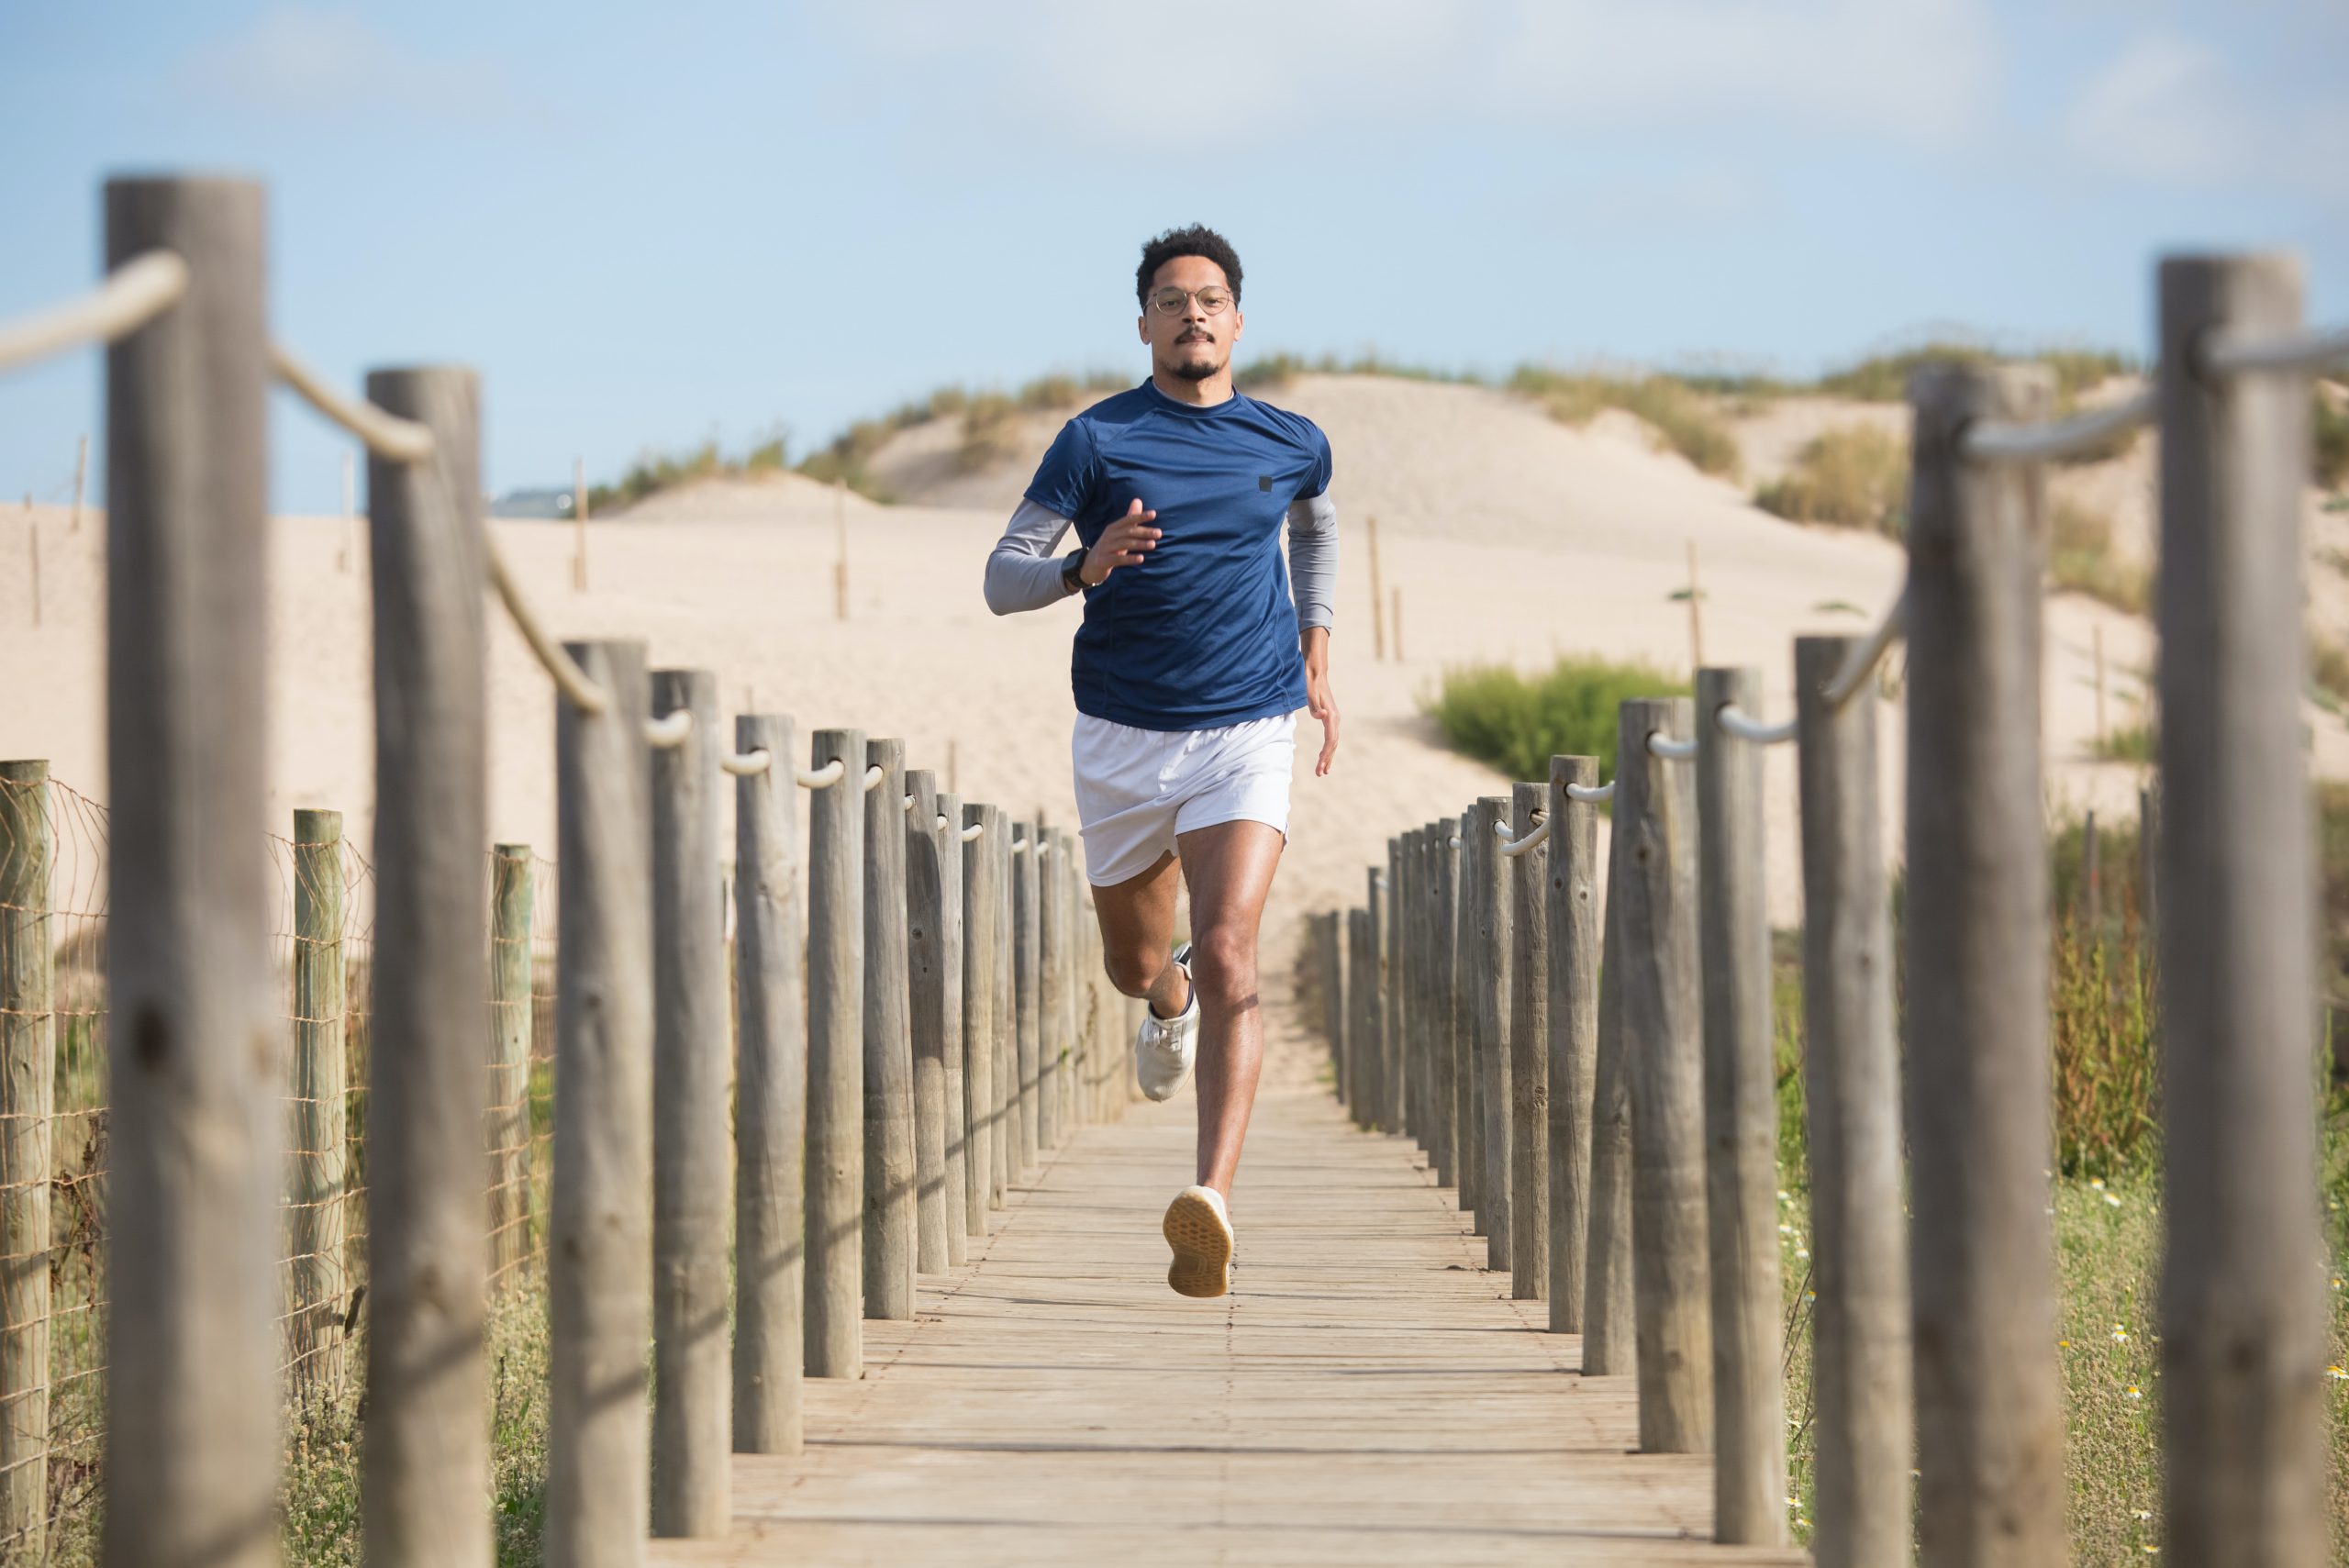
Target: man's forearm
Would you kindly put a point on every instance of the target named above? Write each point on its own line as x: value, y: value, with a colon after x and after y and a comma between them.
x: 1021, y: 573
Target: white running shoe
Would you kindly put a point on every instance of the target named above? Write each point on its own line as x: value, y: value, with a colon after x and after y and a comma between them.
x: 1200, y: 1230
x: 1164, y: 1048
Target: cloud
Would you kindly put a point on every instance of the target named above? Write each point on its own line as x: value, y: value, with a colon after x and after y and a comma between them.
x: 309, y: 63
x: 1919, y: 70
x: 2170, y: 110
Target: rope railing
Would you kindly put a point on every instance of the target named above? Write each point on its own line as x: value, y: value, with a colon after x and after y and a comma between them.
x: 669, y: 732
x: 1995, y: 442
x: 1867, y: 653
x: 1736, y: 723
x: 131, y: 296
x: 2316, y: 349
x: 1539, y: 836
x: 1671, y: 751
x: 830, y: 773
x: 747, y: 764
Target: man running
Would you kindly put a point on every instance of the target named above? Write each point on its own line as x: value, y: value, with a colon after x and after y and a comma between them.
x: 1190, y: 667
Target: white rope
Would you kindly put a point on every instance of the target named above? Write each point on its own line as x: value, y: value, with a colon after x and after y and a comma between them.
x: 386, y: 435
x: 942, y: 824
x: 970, y: 834
x: 1861, y: 662
x: 1043, y: 848
x: 873, y: 777
x: 133, y: 295
x: 2305, y: 350
x: 1453, y: 843
x: 1533, y: 841
x: 669, y: 732
x: 830, y: 773
x: 573, y: 683
x: 1020, y: 846
x: 1671, y: 751
x: 1737, y: 723
x: 909, y: 803
x: 1998, y: 441
x: 1592, y: 795
x: 747, y: 764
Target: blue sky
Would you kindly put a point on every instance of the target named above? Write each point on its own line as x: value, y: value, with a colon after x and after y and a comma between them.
x: 647, y: 225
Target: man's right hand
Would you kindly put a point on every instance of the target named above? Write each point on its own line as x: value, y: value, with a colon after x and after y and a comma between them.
x: 1122, y: 543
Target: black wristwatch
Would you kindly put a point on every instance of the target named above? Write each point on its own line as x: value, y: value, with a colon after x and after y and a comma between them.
x: 1073, y: 571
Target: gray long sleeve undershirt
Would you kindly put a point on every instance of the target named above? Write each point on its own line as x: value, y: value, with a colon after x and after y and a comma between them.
x: 1023, y: 575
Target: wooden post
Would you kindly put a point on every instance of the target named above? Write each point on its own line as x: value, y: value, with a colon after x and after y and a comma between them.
x: 771, y: 940
x: 2092, y: 877
x: 513, y: 900
x: 1052, y: 988
x: 1657, y: 802
x: 934, y: 977
x: 579, y: 523
x: 321, y: 1095
x: 2242, y: 1312
x: 1740, y: 1122
x: 2149, y: 837
x: 1572, y: 922
x: 980, y: 934
x: 599, y: 1243
x: 1382, y: 1001
x: 693, y: 1422
x: 1377, y: 599
x: 1362, y: 962
x: 835, y: 1060
x: 1402, y: 1014
x: 1859, y: 1244
x: 1006, y: 1012
x: 1027, y: 867
x: 1330, y: 944
x: 28, y: 1080
x: 953, y: 1110
x: 1444, y: 1015
x: 1468, y: 1100
x: 1488, y: 998
x: 196, y: 1127
x: 1608, y: 1344
x: 82, y: 473
x: 1695, y: 617
x: 1399, y: 623
x: 889, y: 1200
x: 1529, y: 1057
x: 1989, y: 1416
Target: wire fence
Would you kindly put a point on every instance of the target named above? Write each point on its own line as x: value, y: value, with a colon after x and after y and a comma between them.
x: 53, y: 1148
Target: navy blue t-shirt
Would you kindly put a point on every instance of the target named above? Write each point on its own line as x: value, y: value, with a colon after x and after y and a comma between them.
x: 1203, y: 632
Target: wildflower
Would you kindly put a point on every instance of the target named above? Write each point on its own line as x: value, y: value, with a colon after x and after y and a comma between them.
x: 2134, y: 1393
x: 2120, y: 1335
x: 1785, y: 1197
x: 2062, y: 1344
x: 2097, y: 1181
x: 2142, y: 1515
x: 2337, y: 1375
x: 1801, y: 1253
x: 2112, y: 1200
x: 1785, y: 1228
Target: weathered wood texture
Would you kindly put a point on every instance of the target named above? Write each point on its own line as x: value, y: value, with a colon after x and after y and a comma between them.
x: 1571, y: 923
x: 599, y: 1234
x: 1467, y: 1099
x: 29, y: 940
x: 1027, y: 917
x: 1859, y: 1243
x: 1006, y: 1012
x: 835, y: 1222
x: 1610, y: 1347
x: 1664, y: 1052
x: 1529, y: 1057
x: 1329, y: 942
x: 953, y: 1110
x: 2243, y: 1311
x: 195, y: 1113
x: 1362, y: 960
x: 1444, y: 1019
x: 1989, y: 1415
x: 1489, y: 1001
x: 1051, y: 988
x: 980, y: 1120
x: 513, y: 1006
x: 934, y: 971
x: 769, y: 1093
x: 889, y: 1223
x: 1365, y: 1398
x: 318, y: 1163
x: 1741, y: 1086
x: 692, y: 1091
x: 1381, y: 990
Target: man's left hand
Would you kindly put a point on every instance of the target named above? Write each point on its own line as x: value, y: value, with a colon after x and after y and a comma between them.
x: 1319, y: 700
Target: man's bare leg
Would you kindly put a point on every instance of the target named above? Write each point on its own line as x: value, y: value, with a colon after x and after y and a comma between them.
x: 1137, y: 918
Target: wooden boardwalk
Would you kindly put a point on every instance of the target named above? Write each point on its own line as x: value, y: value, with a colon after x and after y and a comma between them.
x: 1366, y: 1395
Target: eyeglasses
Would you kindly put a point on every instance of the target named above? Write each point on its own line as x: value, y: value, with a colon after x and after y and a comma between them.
x: 1213, y: 299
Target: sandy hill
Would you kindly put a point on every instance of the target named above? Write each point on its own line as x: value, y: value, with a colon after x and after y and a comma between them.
x: 1510, y: 535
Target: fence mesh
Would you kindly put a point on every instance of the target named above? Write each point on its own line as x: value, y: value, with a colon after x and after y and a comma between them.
x: 53, y: 880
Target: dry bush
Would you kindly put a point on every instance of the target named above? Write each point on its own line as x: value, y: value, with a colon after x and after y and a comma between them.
x: 1680, y: 415
x: 2080, y: 559
x: 1852, y: 477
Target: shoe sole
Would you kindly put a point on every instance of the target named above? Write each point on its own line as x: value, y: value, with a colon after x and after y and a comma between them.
x: 1202, y: 1244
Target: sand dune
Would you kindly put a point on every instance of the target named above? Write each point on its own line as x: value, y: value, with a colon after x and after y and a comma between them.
x: 1511, y: 538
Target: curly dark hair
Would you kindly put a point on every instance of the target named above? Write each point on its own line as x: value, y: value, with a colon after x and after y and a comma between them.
x: 1194, y: 240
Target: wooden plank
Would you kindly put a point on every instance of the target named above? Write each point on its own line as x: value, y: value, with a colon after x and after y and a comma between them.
x: 1366, y: 1396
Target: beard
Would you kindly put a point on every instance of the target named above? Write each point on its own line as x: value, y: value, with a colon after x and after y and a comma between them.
x: 1197, y: 364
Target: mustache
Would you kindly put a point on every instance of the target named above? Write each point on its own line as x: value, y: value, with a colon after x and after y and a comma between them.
x: 1196, y: 335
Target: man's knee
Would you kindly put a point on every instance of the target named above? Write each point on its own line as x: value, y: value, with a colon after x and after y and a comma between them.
x: 1223, y: 964
x: 1133, y: 971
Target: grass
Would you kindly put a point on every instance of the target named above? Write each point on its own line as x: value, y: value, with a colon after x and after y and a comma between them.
x: 2080, y: 559
x: 1683, y: 418
x: 2329, y: 671
x: 1884, y: 378
x: 2329, y: 421
x: 1517, y: 722
x: 1854, y: 477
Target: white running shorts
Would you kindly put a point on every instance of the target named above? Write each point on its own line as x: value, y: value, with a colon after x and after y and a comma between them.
x: 1136, y: 789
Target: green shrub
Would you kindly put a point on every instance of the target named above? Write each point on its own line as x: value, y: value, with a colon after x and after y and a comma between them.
x: 2330, y: 423
x: 1853, y: 477
x: 2080, y: 559
x: 1518, y: 722
x: 1680, y: 415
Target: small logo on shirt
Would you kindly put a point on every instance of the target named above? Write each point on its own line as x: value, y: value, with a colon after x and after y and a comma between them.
x: 1264, y: 482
